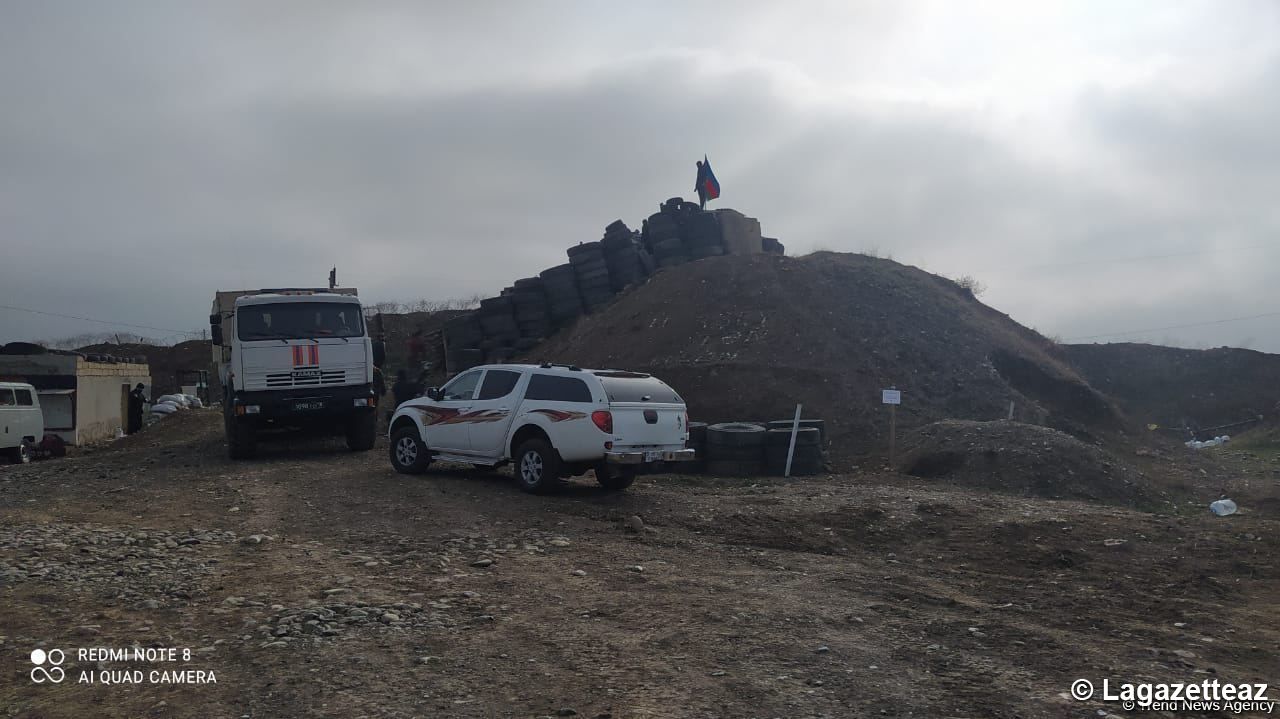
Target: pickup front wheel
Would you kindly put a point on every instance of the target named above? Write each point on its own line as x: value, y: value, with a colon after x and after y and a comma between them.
x: 537, y: 467
x: 409, y: 455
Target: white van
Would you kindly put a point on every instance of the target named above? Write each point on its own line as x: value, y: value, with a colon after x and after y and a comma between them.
x: 21, y: 421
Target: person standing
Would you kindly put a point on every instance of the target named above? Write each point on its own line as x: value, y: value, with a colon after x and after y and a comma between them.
x: 136, y: 402
x: 417, y: 346
x: 706, y: 184
x: 404, y: 390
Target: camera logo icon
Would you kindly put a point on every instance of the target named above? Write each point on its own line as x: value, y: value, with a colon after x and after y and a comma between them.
x: 53, y: 672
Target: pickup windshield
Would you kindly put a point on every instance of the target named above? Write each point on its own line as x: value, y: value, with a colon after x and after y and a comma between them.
x: 636, y: 387
x: 299, y: 320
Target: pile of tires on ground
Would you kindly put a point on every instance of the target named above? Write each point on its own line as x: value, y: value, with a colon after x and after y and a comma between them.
x: 534, y: 307
x: 750, y: 449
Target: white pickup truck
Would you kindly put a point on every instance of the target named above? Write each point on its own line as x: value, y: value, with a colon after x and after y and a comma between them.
x: 552, y: 421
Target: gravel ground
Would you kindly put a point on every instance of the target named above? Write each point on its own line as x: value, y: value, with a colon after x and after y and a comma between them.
x: 316, y: 582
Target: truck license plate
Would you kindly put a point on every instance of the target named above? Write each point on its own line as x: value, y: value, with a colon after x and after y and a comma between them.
x: 652, y: 456
x: 308, y: 406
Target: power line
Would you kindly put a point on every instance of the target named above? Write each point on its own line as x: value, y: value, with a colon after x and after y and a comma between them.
x: 1176, y: 327
x: 90, y: 319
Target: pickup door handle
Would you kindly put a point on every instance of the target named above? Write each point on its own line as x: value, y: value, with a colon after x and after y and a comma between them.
x: 504, y: 409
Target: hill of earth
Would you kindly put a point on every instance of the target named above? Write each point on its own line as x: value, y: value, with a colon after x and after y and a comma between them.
x: 748, y: 337
x: 1169, y: 386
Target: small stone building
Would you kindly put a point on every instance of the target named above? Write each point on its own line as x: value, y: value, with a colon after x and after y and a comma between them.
x: 85, y: 398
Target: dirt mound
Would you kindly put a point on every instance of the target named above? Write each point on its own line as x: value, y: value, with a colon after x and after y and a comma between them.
x: 165, y: 362
x: 748, y: 337
x: 1021, y: 459
x: 1169, y: 386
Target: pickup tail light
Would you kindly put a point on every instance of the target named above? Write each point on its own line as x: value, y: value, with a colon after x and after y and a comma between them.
x: 604, y: 420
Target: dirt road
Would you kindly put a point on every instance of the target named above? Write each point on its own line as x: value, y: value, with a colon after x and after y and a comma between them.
x: 315, y: 582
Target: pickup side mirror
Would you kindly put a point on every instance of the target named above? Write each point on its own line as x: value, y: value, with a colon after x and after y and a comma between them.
x: 215, y: 319
x: 215, y: 332
x: 379, y: 353
x: 433, y: 393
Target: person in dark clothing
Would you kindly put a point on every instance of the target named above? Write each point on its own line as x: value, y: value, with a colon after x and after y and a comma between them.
x: 136, y: 401
x: 700, y: 185
x: 404, y: 389
x: 417, y: 348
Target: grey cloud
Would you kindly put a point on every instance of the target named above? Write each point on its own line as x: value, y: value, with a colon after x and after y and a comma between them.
x: 163, y: 157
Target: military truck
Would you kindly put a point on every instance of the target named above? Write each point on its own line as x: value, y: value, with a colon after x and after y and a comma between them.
x: 294, y: 359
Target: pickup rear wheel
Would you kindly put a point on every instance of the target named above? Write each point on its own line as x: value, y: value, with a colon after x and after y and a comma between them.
x: 409, y: 454
x: 537, y: 467
x: 615, y: 478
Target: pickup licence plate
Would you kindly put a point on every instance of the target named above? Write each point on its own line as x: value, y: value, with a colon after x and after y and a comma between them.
x: 652, y: 456
x: 308, y: 406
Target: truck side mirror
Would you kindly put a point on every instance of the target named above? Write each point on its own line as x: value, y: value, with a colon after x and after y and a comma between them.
x: 379, y: 353
x: 215, y: 332
x: 433, y: 393
x: 215, y: 319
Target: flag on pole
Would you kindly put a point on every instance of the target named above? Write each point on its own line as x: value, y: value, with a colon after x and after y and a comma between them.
x: 707, y: 182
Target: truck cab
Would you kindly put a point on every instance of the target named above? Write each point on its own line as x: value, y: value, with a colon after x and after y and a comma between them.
x: 294, y: 359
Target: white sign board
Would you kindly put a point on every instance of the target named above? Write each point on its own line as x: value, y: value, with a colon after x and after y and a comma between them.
x: 890, y: 396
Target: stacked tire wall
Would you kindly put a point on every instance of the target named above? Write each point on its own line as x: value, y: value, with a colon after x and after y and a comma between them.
x: 535, y: 307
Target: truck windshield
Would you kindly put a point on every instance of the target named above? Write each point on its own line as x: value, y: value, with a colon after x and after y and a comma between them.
x: 299, y: 320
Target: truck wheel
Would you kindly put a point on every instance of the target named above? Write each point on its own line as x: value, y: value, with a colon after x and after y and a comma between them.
x: 537, y: 467
x: 409, y: 454
x: 242, y: 439
x: 362, y: 432
x: 616, y: 478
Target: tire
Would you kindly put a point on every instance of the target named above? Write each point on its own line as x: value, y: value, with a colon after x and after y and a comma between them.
x: 495, y: 306
x: 590, y: 268
x: 671, y: 246
x: 616, y: 479
x: 616, y: 243
x: 820, y: 425
x: 21, y: 454
x: 585, y: 248
x: 805, y: 437
x: 697, y: 433
x: 242, y: 439
x: 537, y: 467
x: 362, y: 432
x: 735, y: 434
x: 409, y: 454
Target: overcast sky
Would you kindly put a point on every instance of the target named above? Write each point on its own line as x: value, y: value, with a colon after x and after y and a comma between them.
x: 1100, y: 167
